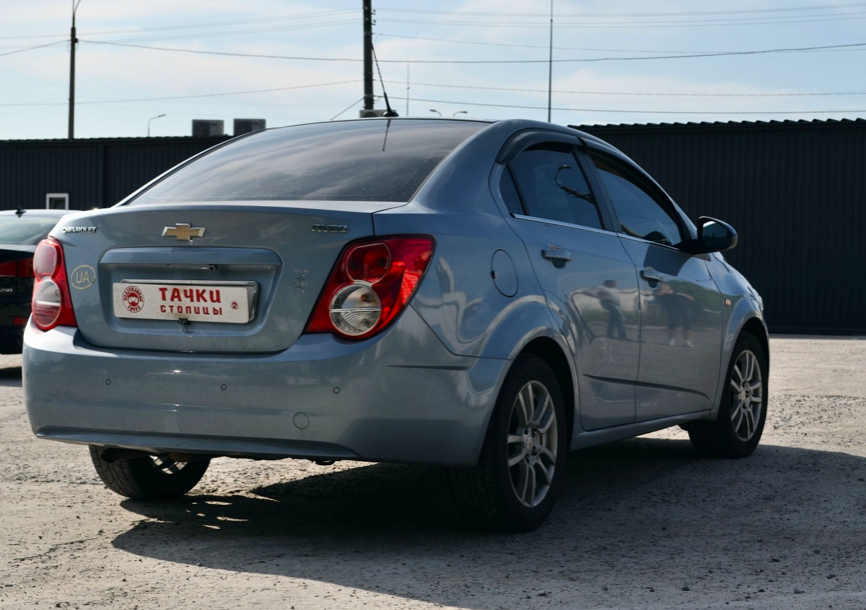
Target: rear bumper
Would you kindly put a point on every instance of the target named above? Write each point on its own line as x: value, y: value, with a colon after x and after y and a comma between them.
x: 401, y: 397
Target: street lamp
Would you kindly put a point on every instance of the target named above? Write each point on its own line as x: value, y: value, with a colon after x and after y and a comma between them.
x: 459, y: 112
x: 159, y: 116
x: 436, y: 111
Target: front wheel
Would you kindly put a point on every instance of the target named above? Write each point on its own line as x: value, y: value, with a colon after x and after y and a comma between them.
x: 156, y: 477
x: 520, y: 472
x: 743, y: 411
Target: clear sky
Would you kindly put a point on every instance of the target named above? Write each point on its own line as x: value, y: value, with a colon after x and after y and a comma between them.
x: 628, y: 61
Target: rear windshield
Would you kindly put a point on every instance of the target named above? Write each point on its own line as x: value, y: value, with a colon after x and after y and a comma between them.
x: 27, y: 230
x: 374, y: 160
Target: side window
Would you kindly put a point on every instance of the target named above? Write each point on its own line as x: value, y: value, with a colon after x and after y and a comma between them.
x: 639, y: 214
x: 510, y: 194
x: 552, y: 186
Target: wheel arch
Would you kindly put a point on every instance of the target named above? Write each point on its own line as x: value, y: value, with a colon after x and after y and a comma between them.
x: 550, y: 351
x: 752, y: 323
x: 756, y: 328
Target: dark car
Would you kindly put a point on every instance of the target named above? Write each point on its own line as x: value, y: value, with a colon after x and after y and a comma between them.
x: 20, y: 232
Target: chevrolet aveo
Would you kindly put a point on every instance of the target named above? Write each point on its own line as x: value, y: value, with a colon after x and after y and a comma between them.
x: 480, y: 295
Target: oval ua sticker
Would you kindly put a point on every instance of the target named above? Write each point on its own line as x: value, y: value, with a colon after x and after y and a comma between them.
x: 82, y: 277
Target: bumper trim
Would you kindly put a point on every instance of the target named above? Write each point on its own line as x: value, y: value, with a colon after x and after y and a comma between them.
x: 214, y: 446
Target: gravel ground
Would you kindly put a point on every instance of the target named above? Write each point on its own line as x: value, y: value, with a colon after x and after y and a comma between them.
x: 644, y: 523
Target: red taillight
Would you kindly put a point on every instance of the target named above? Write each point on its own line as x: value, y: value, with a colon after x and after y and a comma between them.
x: 25, y: 267
x: 52, y: 305
x: 371, y: 284
x: 19, y: 268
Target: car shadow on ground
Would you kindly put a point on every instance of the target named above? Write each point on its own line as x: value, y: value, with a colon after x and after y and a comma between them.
x: 648, y: 507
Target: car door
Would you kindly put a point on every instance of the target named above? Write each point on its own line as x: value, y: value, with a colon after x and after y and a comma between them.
x: 680, y: 305
x: 588, y: 279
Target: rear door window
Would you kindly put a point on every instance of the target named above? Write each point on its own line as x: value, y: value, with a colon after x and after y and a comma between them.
x: 552, y: 186
x: 374, y: 160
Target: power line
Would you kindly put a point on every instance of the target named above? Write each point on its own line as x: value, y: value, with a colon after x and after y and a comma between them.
x: 544, y: 47
x: 635, y: 93
x: 280, y: 28
x: 495, y: 61
x: 623, y: 25
x: 183, y: 97
x: 830, y: 8
x: 459, y: 103
x: 42, y: 46
x: 224, y: 23
x: 349, y: 107
x: 197, y: 25
x: 227, y: 54
x: 533, y: 46
x: 820, y: 7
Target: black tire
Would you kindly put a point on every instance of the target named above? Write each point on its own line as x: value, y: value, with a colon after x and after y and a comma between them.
x: 149, y: 477
x: 488, y: 494
x: 736, y: 432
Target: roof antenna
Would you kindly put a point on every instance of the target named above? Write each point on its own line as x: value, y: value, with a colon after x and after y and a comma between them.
x: 20, y: 212
x: 389, y: 112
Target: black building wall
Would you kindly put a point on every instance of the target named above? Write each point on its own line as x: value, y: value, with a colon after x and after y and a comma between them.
x: 95, y: 173
x: 795, y: 193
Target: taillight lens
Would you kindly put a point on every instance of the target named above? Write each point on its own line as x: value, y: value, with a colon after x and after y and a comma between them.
x: 19, y: 268
x: 371, y: 284
x: 51, y: 305
x: 25, y: 267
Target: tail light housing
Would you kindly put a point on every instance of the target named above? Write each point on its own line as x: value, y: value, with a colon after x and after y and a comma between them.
x: 371, y: 284
x: 51, y: 305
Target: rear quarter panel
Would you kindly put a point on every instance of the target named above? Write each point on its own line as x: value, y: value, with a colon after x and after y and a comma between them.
x: 472, y: 313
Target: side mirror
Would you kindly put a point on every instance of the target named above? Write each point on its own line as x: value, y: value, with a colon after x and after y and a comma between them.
x: 715, y: 235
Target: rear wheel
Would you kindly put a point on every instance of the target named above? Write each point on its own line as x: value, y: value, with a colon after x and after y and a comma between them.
x: 152, y: 477
x: 740, y: 422
x: 520, y: 472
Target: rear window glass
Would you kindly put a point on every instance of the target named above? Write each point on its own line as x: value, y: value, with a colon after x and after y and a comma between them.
x: 371, y: 160
x: 27, y: 231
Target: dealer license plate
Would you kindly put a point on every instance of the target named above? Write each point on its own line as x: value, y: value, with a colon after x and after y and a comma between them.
x: 225, y: 302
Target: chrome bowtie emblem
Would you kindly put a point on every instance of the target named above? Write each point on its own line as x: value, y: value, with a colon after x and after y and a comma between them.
x: 183, y: 231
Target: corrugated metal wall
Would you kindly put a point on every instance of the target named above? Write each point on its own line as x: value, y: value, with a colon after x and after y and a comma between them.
x: 795, y: 193
x: 95, y: 173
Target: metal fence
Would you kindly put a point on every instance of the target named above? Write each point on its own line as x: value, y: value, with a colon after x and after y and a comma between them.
x: 795, y: 192
x: 94, y: 173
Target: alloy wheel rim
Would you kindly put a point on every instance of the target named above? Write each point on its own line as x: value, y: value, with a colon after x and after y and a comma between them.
x: 532, y: 444
x: 166, y: 465
x: 747, y: 395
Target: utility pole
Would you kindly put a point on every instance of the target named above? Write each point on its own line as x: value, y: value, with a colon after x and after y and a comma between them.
x: 73, y: 41
x: 550, y: 67
x: 368, y: 55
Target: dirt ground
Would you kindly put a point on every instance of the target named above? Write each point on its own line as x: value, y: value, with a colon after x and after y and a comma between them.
x: 644, y: 523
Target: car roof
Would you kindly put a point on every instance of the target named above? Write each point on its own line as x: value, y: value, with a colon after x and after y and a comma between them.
x: 38, y: 212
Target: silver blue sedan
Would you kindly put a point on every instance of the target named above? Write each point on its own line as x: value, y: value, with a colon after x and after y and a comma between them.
x: 480, y: 295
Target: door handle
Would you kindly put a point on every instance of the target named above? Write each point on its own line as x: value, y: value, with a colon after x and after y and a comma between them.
x: 651, y: 276
x: 556, y: 254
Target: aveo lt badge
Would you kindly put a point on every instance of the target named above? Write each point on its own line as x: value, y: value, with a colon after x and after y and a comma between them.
x: 323, y: 228
x: 183, y: 231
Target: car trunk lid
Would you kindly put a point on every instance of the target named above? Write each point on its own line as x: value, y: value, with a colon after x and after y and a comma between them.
x: 214, y: 277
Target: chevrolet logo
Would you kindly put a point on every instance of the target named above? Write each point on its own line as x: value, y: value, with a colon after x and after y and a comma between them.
x: 183, y: 231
